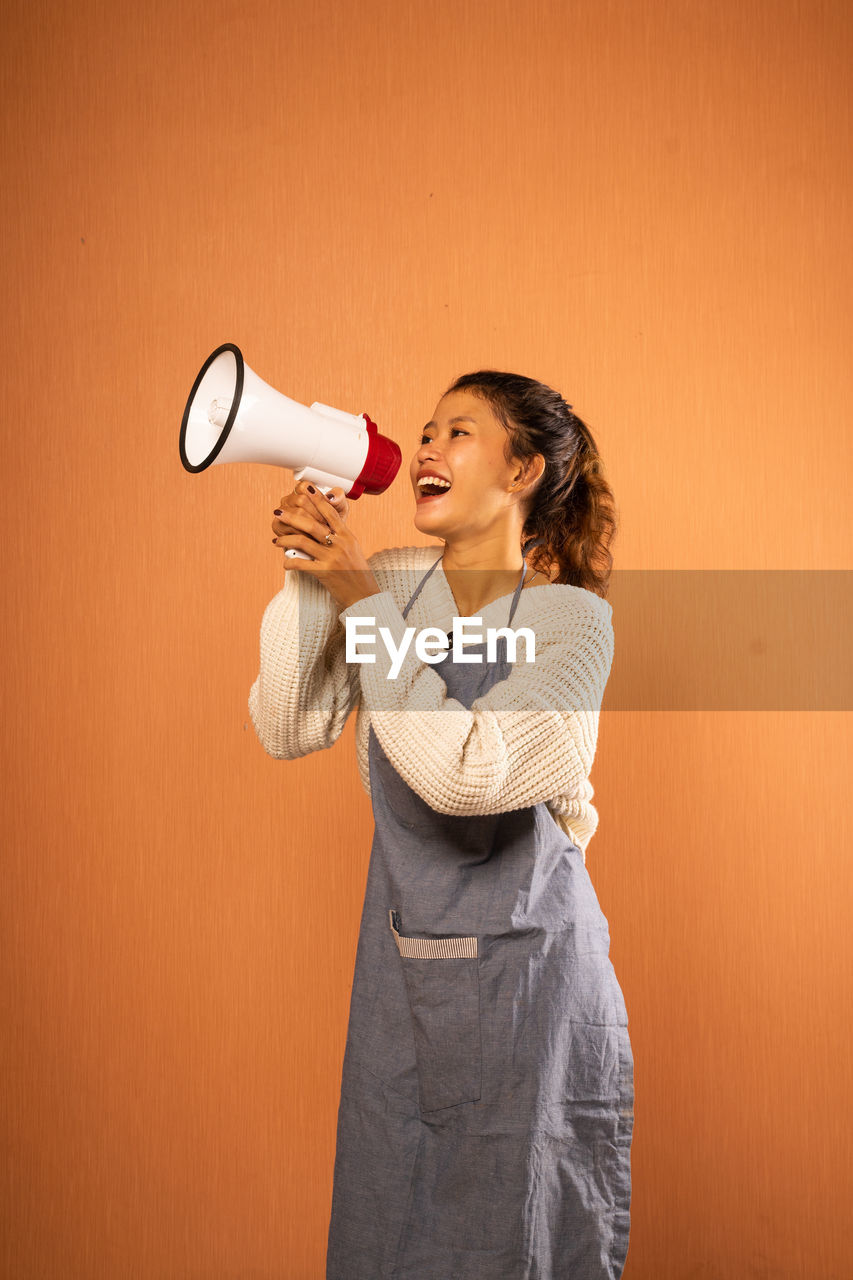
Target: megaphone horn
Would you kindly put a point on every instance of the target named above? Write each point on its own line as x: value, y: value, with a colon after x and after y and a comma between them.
x: 232, y: 415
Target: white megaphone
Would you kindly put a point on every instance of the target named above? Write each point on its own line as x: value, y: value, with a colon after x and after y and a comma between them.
x: 233, y: 416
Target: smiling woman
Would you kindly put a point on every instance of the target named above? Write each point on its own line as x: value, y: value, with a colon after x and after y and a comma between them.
x: 486, y: 1106
x: 500, y: 447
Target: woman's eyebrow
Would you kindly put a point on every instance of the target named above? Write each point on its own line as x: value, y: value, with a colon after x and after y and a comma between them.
x: 463, y: 418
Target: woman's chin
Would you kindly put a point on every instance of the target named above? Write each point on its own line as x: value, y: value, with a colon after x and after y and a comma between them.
x: 426, y: 512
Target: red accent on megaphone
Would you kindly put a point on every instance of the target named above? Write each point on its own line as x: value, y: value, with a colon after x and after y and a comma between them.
x: 381, y: 464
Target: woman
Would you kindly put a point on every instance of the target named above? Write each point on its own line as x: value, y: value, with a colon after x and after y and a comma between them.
x: 486, y: 1106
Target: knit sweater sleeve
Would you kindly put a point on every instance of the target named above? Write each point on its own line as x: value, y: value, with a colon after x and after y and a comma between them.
x: 304, y: 691
x: 531, y: 737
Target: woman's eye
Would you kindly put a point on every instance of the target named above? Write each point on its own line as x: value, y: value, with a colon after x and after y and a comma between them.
x: 454, y: 431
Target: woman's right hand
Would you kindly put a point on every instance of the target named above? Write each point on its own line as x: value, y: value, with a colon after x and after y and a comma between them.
x: 297, y: 512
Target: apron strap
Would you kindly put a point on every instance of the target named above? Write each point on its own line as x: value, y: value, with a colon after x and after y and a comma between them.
x: 525, y: 552
x: 420, y: 585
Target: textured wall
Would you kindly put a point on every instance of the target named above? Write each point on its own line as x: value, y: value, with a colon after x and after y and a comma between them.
x: 644, y: 204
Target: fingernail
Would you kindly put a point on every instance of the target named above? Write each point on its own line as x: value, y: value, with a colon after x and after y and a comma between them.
x: 311, y: 489
x: 275, y: 541
x: 277, y: 511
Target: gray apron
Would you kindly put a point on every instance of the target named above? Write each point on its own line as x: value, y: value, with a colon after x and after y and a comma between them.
x: 486, y: 1109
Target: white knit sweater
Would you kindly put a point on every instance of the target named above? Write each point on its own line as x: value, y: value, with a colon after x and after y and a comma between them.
x: 531, y: 738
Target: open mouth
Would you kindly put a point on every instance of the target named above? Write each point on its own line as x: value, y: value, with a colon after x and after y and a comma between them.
x: 432, y: 489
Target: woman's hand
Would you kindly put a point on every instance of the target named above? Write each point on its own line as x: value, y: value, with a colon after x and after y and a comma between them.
x: 303, y: 521
x: 301, y: 501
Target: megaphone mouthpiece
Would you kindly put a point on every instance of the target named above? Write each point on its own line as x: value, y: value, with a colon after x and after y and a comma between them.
x: 381, y: 464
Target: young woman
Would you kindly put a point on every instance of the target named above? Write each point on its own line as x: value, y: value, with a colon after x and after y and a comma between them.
x: 486, y: 1108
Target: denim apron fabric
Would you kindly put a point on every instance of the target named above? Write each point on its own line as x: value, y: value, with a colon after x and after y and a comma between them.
x: 486, y: 1109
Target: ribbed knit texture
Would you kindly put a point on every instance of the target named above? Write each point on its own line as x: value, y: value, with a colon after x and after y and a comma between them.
x: 531, y: 738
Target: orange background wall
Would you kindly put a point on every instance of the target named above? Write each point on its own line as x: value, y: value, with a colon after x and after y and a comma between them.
x: 645, y: 205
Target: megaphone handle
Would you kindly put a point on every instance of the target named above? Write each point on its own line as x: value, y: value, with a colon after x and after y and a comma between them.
x: 302, y: 555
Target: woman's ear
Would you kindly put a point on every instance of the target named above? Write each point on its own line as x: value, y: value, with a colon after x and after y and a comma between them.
x: 530, y: 472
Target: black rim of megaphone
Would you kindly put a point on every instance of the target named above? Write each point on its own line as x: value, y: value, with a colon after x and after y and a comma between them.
x: 232, y: 412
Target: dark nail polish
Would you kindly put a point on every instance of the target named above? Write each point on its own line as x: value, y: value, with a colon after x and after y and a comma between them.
x: 277, y: 512
x: 311, y: 489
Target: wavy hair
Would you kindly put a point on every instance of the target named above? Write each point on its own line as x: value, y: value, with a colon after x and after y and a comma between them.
x: 572, y: 507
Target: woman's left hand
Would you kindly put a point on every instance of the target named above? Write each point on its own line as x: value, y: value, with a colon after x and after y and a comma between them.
x: 342, y: 567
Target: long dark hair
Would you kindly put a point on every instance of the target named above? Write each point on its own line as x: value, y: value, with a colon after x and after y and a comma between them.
x: 572, y: 507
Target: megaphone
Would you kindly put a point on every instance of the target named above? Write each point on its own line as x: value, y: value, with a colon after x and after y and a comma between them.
x: 232, y: 415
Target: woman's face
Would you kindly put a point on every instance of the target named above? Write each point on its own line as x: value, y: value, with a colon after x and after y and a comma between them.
x: 464, y: 443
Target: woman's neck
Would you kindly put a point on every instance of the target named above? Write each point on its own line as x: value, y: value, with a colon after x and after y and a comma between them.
x: 479, y: 574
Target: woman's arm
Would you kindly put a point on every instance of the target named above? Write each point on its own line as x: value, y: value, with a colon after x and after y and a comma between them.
x: 304, y: 691
x: 530, y: 738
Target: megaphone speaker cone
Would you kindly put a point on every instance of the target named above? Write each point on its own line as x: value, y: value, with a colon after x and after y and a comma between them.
x: 217, y: 390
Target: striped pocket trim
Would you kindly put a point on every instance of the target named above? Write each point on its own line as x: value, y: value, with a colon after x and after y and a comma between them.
x: 434, y: 948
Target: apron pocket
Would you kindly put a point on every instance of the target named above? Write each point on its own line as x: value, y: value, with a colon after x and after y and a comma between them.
x: 443, y: 987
